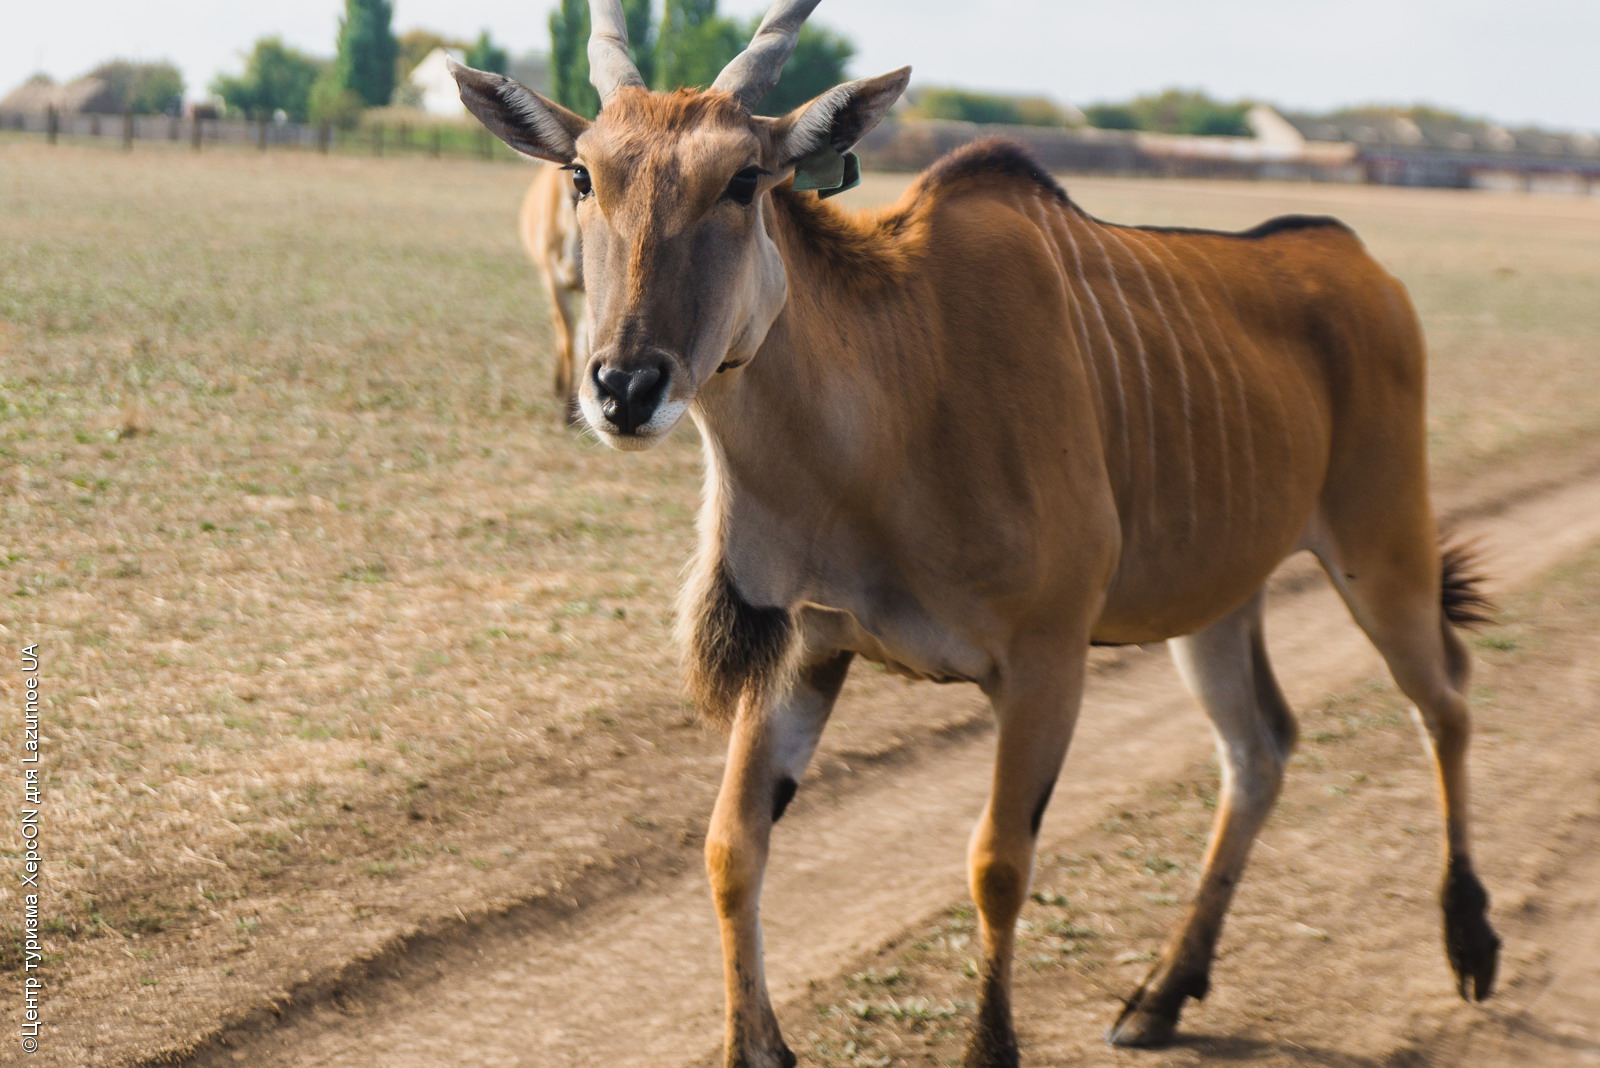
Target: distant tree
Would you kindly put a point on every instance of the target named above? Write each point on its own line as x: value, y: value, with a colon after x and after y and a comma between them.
x: 332, y: 103
x: 641, y: 37
x: 276, y: 78
x: 694, y: 44
x: 416, y: 45
x: 569, y: 62
x: 484, y: 54
x: 1182, y: 111
x: 146, y: 88
x: 365, y: 64
x: 1224, y: 122
x: 1042, y: 111
x: 1414, y: 112
x: 690, y: 48
x: 1174, y: 111
x: 1111, y: 116
x: 569, y: 56
x: 968, y: 106
x: 820, y: 57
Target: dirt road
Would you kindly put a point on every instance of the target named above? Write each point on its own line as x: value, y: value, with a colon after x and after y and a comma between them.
x: 862, y: 859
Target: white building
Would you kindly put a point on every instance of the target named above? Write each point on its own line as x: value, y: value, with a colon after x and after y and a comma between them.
x: 435, y: 91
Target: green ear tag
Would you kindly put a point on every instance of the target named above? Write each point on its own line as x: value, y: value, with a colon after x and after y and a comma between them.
x: 823, y: 169
x: 827, y: 172
x: 851, y: 178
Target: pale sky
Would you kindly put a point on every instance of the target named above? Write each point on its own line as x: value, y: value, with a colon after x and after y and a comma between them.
x: 1516, y: 61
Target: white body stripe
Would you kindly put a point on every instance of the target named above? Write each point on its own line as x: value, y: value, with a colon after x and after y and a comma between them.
x: 1111, y: 344
x: 1185, y: 402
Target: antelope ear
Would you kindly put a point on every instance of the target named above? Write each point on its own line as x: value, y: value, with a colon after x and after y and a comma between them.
x: 519, y: 116
x: 836, y: 120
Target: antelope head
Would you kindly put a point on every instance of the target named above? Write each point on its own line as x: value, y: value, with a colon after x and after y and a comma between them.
x: 682, y: 275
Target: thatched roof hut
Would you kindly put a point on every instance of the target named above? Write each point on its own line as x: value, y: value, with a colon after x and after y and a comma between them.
x: 39, y: 94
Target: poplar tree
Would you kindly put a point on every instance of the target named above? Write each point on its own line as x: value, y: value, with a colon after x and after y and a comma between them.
x: 276, y: 77
x: 484, y: 54
x: 569, y: 62
x: 368, y: 51
x: 694, y: 44
x: 569, y: 51
x: 690, y: 47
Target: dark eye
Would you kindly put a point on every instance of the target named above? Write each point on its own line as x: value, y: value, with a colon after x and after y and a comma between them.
x: 742, y: 188
x: 580, y: 181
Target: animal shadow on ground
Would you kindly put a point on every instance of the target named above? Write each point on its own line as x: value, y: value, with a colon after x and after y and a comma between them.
x: 1228, y: 1049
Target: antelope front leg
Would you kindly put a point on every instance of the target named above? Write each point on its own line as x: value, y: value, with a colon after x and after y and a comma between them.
x: 767, y: 755
x: 1036, y: 709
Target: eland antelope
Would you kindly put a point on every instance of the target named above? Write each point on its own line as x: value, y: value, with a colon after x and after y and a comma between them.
x: 549, y: 228
x: 968, y: 436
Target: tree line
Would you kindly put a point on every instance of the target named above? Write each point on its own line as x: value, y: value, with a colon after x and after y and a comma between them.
x: 1177, y: 111
x: 1173, y: 111
x: 363, y: 72
x: 674, y: 43
x: 688, y: 46
x: 142, y: 88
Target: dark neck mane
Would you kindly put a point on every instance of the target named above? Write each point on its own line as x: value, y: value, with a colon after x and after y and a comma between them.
x: 871, y: 246
x: 862, y: 248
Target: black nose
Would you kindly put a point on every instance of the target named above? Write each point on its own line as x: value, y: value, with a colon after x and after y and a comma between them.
x: 628, y: 397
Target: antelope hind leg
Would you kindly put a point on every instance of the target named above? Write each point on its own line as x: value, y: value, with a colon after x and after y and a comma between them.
x: 1391, y: 580
x: 1429, y: 664
x: 1226, y: 668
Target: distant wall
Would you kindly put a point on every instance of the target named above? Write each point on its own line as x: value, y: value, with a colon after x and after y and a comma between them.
x: 1390, y: 165
x: 912, y: 145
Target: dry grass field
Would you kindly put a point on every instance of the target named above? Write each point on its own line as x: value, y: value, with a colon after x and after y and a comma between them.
x: 345, y: 637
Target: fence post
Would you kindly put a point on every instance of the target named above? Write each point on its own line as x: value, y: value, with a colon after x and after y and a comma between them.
x: 52, y: 124
x: 198, y: 132
x: 174, y: 127
x: 261, y: 134
x: 324, y: 136
x: 127, y: 130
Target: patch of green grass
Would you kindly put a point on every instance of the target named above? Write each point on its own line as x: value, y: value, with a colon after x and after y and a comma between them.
x: 376, y: 571
x: 918, y: 1010
x: 1498, y: 641
x: 886, y: 978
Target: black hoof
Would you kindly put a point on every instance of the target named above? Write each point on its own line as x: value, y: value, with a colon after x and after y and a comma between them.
x: 988, y: 1050
x: 1143, y: 1026
x: 783, y: 1058
x: 1469, y: 941
x: 1149, y: 1019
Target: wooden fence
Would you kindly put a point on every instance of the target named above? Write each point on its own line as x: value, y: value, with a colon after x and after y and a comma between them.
x: 894, y: 145
x: 127, y: 130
